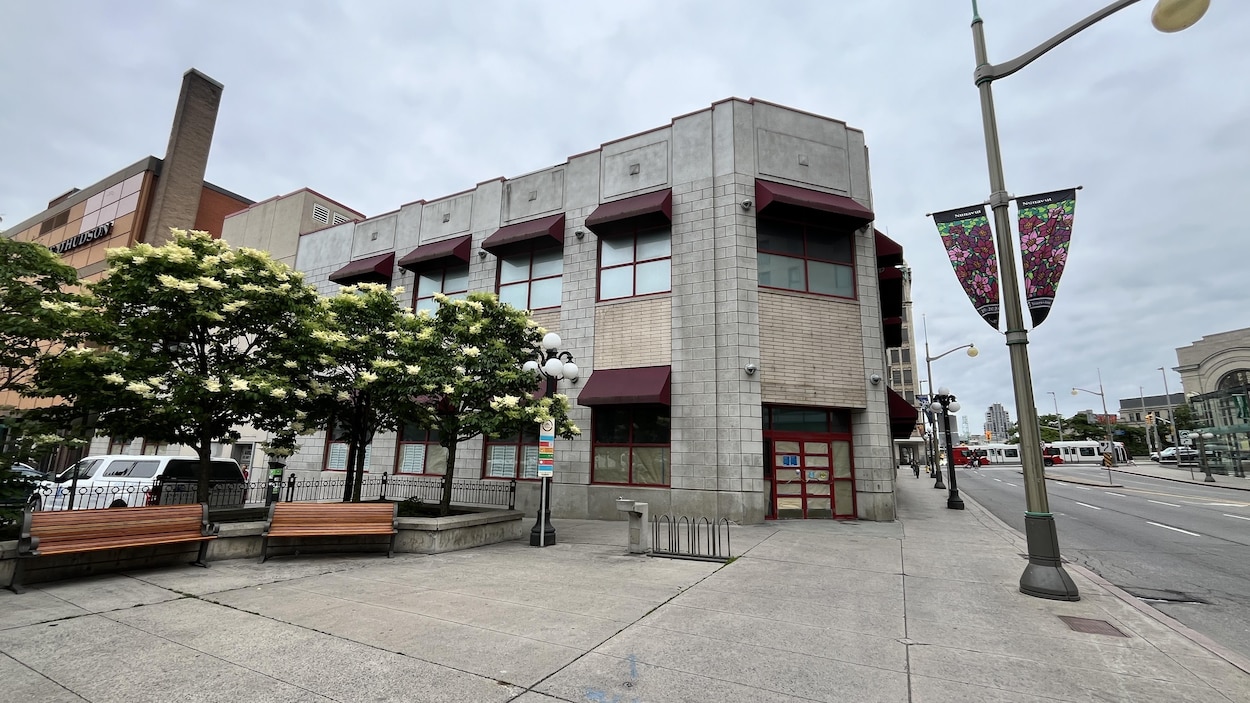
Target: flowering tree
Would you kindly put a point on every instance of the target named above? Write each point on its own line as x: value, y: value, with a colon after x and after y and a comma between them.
x: 35, y: 306
x: 471, y: 381
x: 188, y: 341
x: 370, y: 370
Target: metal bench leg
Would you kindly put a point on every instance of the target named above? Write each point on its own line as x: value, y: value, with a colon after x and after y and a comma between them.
x: 16, y: 584
x: 390, y: 550
x: 199, y: 558
x: 264, y: 548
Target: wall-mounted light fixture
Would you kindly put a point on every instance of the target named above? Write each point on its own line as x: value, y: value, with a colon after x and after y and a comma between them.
x: 580, y: 234
x: 750, y: 369
x: 746, y: 204
x: 875, y: 379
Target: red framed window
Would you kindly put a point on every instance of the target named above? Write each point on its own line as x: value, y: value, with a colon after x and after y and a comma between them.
x: 512, y: 457
x: 532, y: 280
x: 631, y: 445
x: 636, y: 262
x: 805, y: 256
x: 336, y: 450
x: 419, y: 452
x: 452, y: 281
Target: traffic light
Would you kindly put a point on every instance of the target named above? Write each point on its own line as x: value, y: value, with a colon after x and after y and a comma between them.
x: 1150, y: 418
x: 988, y: 435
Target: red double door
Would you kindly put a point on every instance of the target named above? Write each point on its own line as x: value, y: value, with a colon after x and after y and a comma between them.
x: 810, y: 475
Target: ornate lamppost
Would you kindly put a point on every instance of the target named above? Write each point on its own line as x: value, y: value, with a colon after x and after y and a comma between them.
x: 553, y: 365
x: 946, y: 403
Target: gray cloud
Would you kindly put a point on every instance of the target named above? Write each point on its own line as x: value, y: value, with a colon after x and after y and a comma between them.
x: 379, y: 103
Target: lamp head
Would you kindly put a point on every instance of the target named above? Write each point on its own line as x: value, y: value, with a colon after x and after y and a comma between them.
x: 1174, y: 15
x: 551, y: 341
x: 953, y: 406
x: 973, y: 351
x: 943, y: 390
x: 1074, y: 391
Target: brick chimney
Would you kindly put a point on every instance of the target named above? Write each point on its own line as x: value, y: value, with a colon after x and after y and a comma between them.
x: 177, y: 197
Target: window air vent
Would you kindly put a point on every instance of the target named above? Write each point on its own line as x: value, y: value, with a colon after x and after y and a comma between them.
x: 321, y: 214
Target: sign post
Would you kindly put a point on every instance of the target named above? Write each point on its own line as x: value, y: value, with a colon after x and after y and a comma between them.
x: 546, y: 469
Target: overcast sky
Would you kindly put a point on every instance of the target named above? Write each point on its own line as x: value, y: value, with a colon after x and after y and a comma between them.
x: 377, y: 104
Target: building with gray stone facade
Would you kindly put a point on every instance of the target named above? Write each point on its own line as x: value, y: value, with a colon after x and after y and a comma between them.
x: 720, y: 284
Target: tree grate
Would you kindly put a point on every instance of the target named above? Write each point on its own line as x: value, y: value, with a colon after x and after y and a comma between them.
x: 1091, y: 626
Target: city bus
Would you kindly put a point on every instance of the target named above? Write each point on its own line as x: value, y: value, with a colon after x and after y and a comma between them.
x: 1082, y: 451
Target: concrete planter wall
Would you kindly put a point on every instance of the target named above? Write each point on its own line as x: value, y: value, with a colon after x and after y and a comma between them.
x: 241, y: 540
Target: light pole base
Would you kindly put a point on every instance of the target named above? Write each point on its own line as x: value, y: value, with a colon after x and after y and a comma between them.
x: 536, y: 532
x: 938, y: 483
x: 954, y: 501
x: 1045, y: 577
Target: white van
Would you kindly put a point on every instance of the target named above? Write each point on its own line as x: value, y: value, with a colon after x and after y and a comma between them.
x: 129, y: 480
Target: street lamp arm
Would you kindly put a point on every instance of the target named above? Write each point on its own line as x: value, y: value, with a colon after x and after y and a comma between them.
x: 989, y: 72
x: 950, y: 351
x: 1074, y: 390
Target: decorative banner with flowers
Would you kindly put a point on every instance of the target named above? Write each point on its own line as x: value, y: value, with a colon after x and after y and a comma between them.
x: 1045, y: 230
x: 970, y: 246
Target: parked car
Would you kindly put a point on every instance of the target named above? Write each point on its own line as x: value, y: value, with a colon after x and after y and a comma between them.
x: 128, y: 480
x: 16, y: 493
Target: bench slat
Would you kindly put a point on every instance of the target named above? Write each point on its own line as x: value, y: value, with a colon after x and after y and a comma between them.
x: 98, y: 545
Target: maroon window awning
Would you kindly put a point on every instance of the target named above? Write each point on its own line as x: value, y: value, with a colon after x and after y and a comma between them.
x: 371, y: 269
x: 540, y: 232
x: 889, y: 252
x: 890, y: 281
x: 902, y: 415
x: 646, y: 210
x: 448, y: 251
x: 768, y: 193
x: 648, y: 384
x: 892, y: 332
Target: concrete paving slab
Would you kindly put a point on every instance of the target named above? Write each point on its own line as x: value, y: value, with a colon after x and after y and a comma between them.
x: 839, y: 645
x: 799, y: 611
x: 604, y: 679
x: 929, y: 689
x: 752, y: 574
x: 21, y: 683
x: 237, y: 573
x: 308, y: 659
x: 96, y: 594
x: 103, y: 661
x: 569, y: 597
x: 34, y: 606
x: 1048, y: 680
x: 759, y: 665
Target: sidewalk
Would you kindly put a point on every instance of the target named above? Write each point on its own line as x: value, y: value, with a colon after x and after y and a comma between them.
x: 923, y: 609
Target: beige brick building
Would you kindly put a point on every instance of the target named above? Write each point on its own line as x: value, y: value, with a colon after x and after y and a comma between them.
x: 720, y: 284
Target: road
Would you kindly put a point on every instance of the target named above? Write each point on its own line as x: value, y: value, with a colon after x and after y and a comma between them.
x: 1184, y: 548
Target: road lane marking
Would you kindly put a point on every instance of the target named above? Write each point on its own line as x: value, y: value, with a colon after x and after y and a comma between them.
x: 1013, y: 485
x: 1174, y: 529
x: 1061, y: 483
x: 1224, y: 505
x: 999, y: 480
x: 1118, y: 495
x: 1239, y: 517
x: 1095, y: 507
x: 1159, y: 502
x: 1084, y: 488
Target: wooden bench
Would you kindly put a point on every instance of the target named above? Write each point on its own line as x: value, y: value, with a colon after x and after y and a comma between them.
x: 330, y: 520
x: 47, y: 533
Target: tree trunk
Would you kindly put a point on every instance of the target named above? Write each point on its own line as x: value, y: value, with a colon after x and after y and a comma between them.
x: 360, y: 467
x: 204, y: 451
x: 348, y: 467
x: 444, y: 506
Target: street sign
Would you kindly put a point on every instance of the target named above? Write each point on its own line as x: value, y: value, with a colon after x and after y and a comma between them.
x: 546, y: 449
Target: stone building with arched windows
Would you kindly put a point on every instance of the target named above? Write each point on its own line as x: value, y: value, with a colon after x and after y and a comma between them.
x: 1215, y: 371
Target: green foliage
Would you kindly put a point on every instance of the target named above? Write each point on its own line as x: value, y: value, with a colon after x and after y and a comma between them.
x: 470, y: 381
x: 189, y: 340
x: 37, y: 309
x: 369, y: 369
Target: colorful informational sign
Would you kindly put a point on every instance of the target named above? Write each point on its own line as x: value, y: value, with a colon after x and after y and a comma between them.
x: 546, y: 449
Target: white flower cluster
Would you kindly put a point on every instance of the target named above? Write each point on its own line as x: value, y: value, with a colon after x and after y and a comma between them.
x: 177, y: 284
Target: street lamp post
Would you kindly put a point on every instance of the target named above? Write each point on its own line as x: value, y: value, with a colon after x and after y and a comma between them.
x: 1200, y: 437
x: 1044, y: 576
x: 1058, y: 417
x: 553, y: 366
x: 936, y: 469
x: 1141, y: 397
x: 947, y: 404
x: 1106, y: 419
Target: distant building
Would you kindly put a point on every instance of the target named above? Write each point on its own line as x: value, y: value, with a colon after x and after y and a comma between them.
x: 1215, y: 372
x: 997, y: 423
x: 904, y: 379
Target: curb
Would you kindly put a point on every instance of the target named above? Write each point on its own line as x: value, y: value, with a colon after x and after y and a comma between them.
x: 1235, y: 659
x: 1216, y: 484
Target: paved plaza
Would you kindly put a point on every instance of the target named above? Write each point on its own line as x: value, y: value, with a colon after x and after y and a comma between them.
x: 923, y: 609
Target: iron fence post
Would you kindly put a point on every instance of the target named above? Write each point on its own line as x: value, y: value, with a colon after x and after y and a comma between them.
x: 512, y: 494
x: 290, y: 488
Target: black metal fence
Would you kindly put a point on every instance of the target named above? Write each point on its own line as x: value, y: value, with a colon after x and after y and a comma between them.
x: 427, y: 489
x: 699, y: 538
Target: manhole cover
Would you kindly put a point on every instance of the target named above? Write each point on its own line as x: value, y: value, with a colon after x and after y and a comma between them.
x: 1092, y: 626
